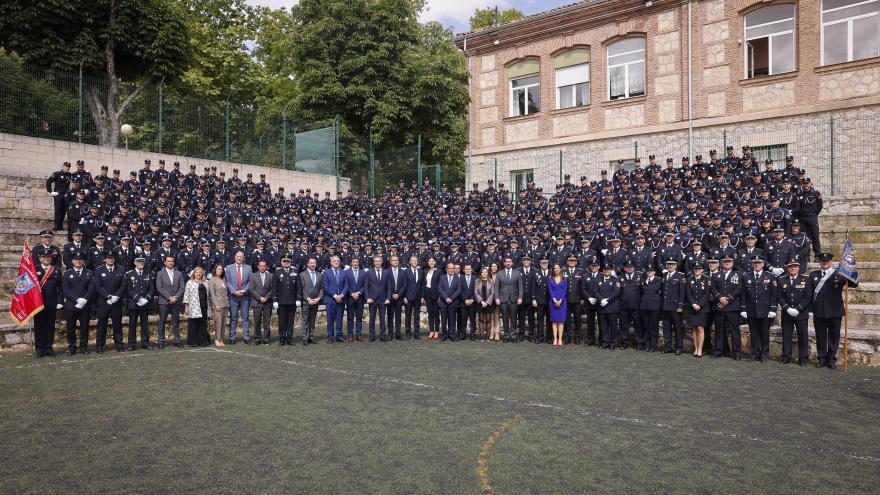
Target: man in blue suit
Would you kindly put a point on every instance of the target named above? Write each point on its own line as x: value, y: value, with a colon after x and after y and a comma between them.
x: 412, y: 298
x: 238, y: 278
x: 354, y: 299
x: 449, y: 293
x: 375, y: 290
x: 396, y: 293
x: 334, y: 299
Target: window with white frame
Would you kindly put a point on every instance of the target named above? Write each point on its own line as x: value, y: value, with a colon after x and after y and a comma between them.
x: 626, y: 68
x: 850, y: 30
x: 770, y: 41
x: 572, y: 78
x: 519, y: 179
x: 525, y: 87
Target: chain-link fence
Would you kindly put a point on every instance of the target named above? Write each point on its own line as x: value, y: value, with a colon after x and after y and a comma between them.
x: 837, y: 150
x: 53, y: 104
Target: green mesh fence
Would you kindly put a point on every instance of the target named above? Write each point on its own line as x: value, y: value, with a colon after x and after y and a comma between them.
x: 315, y: 151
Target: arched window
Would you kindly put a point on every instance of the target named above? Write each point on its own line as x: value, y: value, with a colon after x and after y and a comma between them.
x: 626, y: 68
x: 525, y: 87
x: 572, y: 78
x: 769, y: 41
x: 850, y: 30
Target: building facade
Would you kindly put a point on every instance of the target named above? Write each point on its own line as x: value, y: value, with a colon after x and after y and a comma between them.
x: 572, y: 90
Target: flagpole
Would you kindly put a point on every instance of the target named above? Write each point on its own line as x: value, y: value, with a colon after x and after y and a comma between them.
x: 845, y: 324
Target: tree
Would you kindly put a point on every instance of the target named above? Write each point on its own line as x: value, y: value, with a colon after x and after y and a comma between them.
x: 371, y: 63
x: 491, y: 16
x: 144, y: 40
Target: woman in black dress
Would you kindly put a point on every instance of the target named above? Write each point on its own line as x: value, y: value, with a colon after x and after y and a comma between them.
x: 696, y: 295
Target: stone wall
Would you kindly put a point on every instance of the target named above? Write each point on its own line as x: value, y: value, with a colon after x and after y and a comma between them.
x: 34, y: 157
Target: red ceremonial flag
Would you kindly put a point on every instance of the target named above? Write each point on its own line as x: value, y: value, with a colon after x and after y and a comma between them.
x: 27, y: 299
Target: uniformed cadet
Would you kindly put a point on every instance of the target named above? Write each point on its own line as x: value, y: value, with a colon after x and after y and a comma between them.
x: 672, y: 308
x: 139, y: 288
x: 778, y: 251
x: 526, y: 311
x: 541, y: 300
x: 573, y: 295
x: 758, y: 307
x: 795, y: 298
x: 72, y: 248
x: 57, y: 186
x: 810, y: 202
x: 110, y: 293
x: 698, y: 291
x: 745, y: 255
x: 46, y: 246
x: 828, y: 309
x: 588, y: 300
x: 630, y: 299
x: 286, y: 292
x: 607, y: 292
x: 78, y: 288
x: 49, y: 278
x: 650, y: 304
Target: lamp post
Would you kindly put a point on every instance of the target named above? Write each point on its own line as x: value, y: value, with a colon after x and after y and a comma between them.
x: 126, y: 131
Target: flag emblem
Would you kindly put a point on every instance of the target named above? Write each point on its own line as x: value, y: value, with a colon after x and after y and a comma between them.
x: 23, y: 284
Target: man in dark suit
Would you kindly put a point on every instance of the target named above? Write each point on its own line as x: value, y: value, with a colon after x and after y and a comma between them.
x: 448, y: 293
x: 608, y: 294
x: 828, y: 310
x: 758, y: 307
x: 396, y: 287
x: 541, y: 301
x: 78, y: 288
x: 311, y: 291
x: 795, y: 297
x: 335, y: 289
x: 261, y: 291
x: 49, y: 278
x: 286, y: 295
x: 726, y: 295
x: 672, y: 308
x: 468, y: 308
x: 169, y: 287
x: 508, y: 295
x: 630, y: 297
x: 354, y: 299
x: 110, y: 292
x: 650, y: 304
x: 527, y: 309
x: 412, y: 299
x: 375, y: 292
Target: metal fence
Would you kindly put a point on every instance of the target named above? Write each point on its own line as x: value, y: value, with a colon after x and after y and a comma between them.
x: 839, y: 151
x: 52, y: 104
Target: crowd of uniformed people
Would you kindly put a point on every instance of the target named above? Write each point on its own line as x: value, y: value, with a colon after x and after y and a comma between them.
x: 651, y: 251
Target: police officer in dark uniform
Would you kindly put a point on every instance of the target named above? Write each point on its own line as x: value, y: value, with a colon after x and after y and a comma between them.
x: 78, y: 288
x: 672, y: 307
x: 608, y: 296
x: 541, y: 300
x: 573, y: 296
x: 285, y: 297
x: 140, y: 285
x: 49, y: 278
x: 810, y: 201
x: 758, y: 307
x: 828, y: 310
x: 60, y: 179
x: 110, y: 292
x: 588, y: 299
x: 630, y: 299
x: 46, y: 247
x: 650, y: 304
x: 795, y: 298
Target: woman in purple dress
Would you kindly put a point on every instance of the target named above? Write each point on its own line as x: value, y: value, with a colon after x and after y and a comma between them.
x: 557, y: 286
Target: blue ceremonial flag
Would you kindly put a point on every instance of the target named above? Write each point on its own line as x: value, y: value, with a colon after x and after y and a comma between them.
x: 847, y: 264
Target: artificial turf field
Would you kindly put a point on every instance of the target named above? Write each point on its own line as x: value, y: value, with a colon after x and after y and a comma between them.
x: 422, y: 417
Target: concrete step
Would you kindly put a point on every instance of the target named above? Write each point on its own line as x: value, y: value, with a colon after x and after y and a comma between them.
x: 851, y: 221
x: 867, y: 293
x: 835, y: 236
x: 869, y: 271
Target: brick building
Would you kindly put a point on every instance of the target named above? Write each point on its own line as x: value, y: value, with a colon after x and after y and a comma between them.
x: 574, y: 89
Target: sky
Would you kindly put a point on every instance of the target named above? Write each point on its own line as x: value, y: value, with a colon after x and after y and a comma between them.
x: 454, y: 13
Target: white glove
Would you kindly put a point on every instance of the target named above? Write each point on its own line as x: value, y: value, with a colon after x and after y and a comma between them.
x: 744, y: 314
x: 79, y: 306
x: 604, y: 302
x: 592, y: 300
x: 142, y: 301
x: 82, y: 221
x: 53, y: 193
x: 810, y: 314
x: 59, y: 306
x: 792, y: 312
x: 771, y: 315
x: 110, y: 300
x: 777, y: 271
x: 275, y: 305
x: 664, y: 271
x: 82, y: 301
